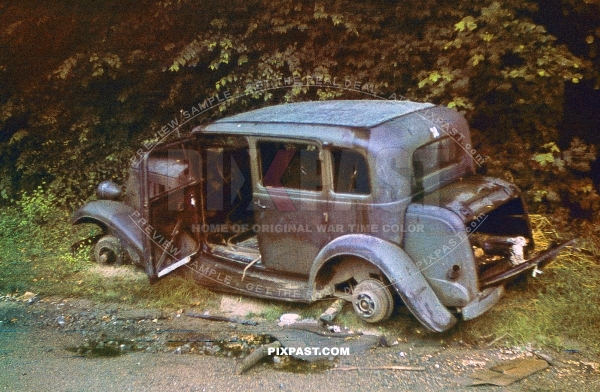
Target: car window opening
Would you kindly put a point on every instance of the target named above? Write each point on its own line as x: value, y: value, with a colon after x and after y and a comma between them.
x: 290, y: 165
x: 430, y: 161
x: 350, y: 172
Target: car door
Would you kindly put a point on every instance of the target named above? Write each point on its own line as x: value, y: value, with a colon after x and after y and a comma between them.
x: 171, y: 201
x: 350, y: 199
x: 290, y: 203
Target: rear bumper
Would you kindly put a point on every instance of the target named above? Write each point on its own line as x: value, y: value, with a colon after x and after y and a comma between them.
x: 484, y: 301
x: 539, y: 261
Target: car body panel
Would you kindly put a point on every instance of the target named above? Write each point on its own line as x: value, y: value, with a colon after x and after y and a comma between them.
x: 114, y: 218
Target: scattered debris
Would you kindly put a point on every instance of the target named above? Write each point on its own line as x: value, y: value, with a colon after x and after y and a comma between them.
x: 385, y: 342
x: 395, y: 367
x: 185, y: 349
x: 590, y: 367
x: 509, y: 372
x: 28, y: 297
x: 472, y: 363
x: 255, y: 356
x: 302, y: 335
x: 104, y: 348
x: 288, y: 319
x: 221, y: 318
x: 141, y: 314
x: 331, y: 313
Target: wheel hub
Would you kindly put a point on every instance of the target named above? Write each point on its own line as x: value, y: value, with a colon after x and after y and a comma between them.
x: 365, y: 305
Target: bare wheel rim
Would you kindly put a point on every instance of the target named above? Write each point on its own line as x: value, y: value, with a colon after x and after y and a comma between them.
x: 108, y: 250
x: 372, y: 301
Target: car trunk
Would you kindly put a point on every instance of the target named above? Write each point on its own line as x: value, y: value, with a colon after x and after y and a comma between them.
x: 497, y: 224
x: 473, y: 196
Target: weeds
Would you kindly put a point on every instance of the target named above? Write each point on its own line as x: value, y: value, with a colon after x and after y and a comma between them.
x: 35, y: 255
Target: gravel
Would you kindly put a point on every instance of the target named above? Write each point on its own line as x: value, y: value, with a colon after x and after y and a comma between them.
x: 62, y: 344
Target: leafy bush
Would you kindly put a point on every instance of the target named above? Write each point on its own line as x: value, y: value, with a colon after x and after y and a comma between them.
x: 550, y: 177
x: 80, y: 109
x: 38, y: 208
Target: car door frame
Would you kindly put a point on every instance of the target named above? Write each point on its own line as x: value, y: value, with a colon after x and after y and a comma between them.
x: 149, y: 228
x: 286, y: 251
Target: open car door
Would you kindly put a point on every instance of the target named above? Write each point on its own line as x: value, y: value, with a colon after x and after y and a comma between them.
x: 171, y: 202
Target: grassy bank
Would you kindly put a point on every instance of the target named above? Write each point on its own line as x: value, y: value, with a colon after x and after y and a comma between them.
x: 36, y: 256
x: 559, y: 309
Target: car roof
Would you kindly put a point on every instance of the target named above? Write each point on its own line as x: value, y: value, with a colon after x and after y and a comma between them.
x: 344, y: 113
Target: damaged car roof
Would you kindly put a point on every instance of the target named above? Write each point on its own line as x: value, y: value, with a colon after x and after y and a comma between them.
x: 355, y: 114
x: 359, y: 123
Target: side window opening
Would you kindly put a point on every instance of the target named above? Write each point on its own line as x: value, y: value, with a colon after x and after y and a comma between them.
x: 350, y: 172
x: 431, y: 159
x: 290, y: 165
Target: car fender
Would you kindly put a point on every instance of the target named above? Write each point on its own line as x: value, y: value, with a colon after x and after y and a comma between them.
x: 398, y: 268
x: 117, y: 219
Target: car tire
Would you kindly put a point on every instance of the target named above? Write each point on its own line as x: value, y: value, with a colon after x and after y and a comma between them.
x: 108, y: 250
x: 372, y: 301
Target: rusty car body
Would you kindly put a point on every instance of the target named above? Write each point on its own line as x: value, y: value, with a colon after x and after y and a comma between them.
x: 375, y: 202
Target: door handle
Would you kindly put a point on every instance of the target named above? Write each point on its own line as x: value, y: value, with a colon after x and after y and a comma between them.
x: 257, y: 202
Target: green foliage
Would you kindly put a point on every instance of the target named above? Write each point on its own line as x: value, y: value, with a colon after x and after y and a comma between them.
x: 550, y: 178
x: 15, y: 273
x: 561, y: 176
x: 35, y: 255
x: 75, y: 112
x: 38, y: 208
x: 493, y: 62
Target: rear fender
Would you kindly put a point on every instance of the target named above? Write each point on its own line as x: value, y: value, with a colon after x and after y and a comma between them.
x: 398, y: 268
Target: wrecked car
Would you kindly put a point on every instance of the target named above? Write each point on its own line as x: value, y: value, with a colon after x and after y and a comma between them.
x: 375, y: 202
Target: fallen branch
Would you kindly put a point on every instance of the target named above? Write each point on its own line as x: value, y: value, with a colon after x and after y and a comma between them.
x: 221, y: 318
x: 405, y: 368
x: 545, y: 357
x: 490, y: 344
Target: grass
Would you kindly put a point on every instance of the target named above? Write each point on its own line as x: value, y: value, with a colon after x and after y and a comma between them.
x: 37, y: 258
x: 559, y: 309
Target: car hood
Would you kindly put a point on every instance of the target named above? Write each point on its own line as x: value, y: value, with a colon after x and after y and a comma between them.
x: 472, y: 196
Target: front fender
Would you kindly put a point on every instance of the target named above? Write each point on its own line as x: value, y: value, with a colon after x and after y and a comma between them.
x: 398, y: 268
x: 115, y: 218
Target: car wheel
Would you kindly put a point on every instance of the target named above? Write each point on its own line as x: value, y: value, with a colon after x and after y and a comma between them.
x: 108, y: 250
x: 372, y: 301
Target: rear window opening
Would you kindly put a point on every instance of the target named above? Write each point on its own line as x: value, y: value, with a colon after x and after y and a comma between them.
x: 435, y: 156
